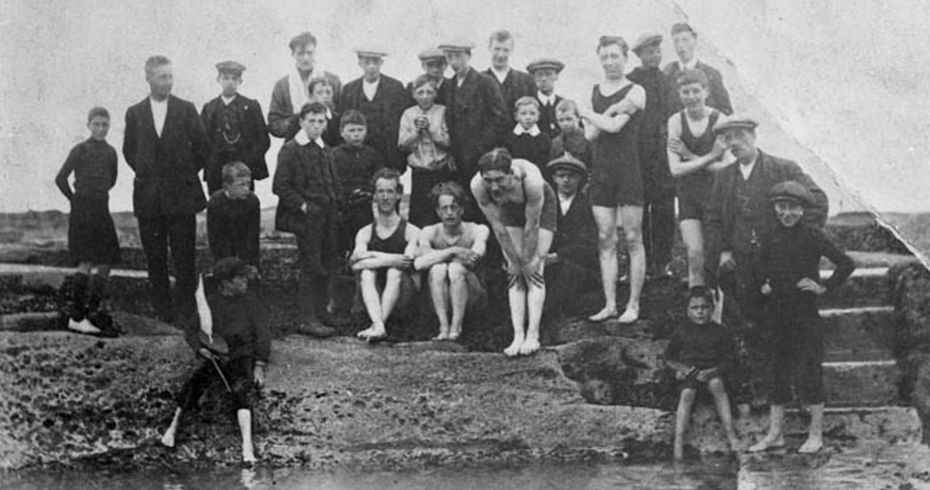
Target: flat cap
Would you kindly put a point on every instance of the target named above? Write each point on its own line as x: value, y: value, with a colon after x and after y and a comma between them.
x: 567, y: 161
x: 233, y: 67
x: 646, y: 40
x: 791, y: 190
x: 432, y: 54
x: 229, y: 268
x: 457, y: 45
x: 736, y: 121
x: 370, y: 52
x: 545, y: 64
x: 682, y: 27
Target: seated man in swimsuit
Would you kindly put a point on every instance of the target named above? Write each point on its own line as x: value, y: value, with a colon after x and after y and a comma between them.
x: 383, y: 256
x: 451, y: 250
x: 522, y: 211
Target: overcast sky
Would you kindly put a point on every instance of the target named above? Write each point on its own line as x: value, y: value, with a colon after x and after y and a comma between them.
x: 841, y: 86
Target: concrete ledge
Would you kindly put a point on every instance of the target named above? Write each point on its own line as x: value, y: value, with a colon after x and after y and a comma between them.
x: 866, y: 383
x: 859, y: 334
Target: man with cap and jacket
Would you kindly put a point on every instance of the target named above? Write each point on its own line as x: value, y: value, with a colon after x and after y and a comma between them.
x: 382, y: 100
x: 475, y: 113
x: 434, y: 64
x: 738, y: 215
x: 236, y: 129
x: 571, y: 265
x: 545, y: 73
x: 685, y: 40
x: 658, y: 186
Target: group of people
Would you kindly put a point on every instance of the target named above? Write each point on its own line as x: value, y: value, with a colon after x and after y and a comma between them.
x: 496, y: 152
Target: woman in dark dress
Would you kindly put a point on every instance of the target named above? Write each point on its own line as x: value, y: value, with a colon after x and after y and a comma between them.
x: 616, y: 182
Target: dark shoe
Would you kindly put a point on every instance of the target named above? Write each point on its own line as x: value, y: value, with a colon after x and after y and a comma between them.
x: 314, y: 328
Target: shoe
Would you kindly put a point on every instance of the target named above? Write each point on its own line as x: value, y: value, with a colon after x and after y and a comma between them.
x: 314, y: 328
x: 83, y: 326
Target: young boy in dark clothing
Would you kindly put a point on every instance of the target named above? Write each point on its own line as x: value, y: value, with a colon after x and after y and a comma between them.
x: 571, y: 138
x: 239, y: 318
x: 527, y: 141
x: 355, y: 164
x: 790, y: 265
x: 701, y: 352
x: 234, y: 217
x: 92, y: 239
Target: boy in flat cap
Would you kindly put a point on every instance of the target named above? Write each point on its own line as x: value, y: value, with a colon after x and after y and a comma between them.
x: 434, y: 64
x: 685, y: 41
x: 658, y: 187
x: 475, y: 113
x: 239, y: 319
x: 382, y: 100
x: 235, y: 127
x: 790, y: 275
x: 291, y: 92
x: 513, y: 83
x: 545, y: 72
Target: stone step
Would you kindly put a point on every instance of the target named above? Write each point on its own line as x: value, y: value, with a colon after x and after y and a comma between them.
x: 859, y: 334
x: 862, y: 383
x: 38, y: 276
x: 867, y: 286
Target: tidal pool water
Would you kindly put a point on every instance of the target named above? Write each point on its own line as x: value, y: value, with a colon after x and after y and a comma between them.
x: 704, y: 475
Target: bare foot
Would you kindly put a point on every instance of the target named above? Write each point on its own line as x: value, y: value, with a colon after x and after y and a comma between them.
x: 167, y: 439
x: 514, y: 348
x: 768, y: 442
x: 529, y: 347
x: 248, y: 456
x: 811, y: 445
x: 365, y: 334
x: 630, y: 315
x: 455, y: 332
x: 377, y: 332
x: 604, y: 314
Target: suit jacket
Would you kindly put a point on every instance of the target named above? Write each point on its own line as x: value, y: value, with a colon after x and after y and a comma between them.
x: 304, y: 174
x: 717, y: 96
x: 548, y: 122
x: 517, y: 84
x: 721, y: 209
x: 576, y: 234
x: 254, y: 134
x: 382, y: 114
x: 166, y: 167
x: 282, y: 115
x: 477, y: 120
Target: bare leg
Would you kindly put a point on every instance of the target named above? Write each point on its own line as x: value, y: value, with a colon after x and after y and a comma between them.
x: 814, y: 442
x: 458, y: 296
x: 244, y: 416
x: 516, y: 296
x: 167, y: 439
x: 367, y: 281
x: 391, y: 293
x: 606, y: 219
x: 722, y: 401
x: 439, y: 292
x: 774, y: 438
x: 632, y: 219
x: 535, y: 299
x: 693, y: 236
x: 685, y: 402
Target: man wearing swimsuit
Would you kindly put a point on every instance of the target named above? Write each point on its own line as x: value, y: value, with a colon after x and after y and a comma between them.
x: 522, y: 210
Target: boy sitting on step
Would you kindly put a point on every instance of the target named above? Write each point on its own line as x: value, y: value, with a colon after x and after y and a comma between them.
x: 701, y: 352
x: 790, y: 268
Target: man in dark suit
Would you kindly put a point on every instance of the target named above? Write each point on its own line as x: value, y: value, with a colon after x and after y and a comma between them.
x: 571, y: 266
x: 291, y: 92
x: 434, y: 64
x: 382, y: 100
x: 476, y: 115
x: 545, y: 72
x: 685, y: 40
x: 235, y: 127
x: 513, y: 83
x: 166, y: 145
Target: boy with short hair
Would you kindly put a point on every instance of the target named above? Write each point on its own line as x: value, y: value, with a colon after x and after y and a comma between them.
x: 701, y: 352
x: 305, y: 183
x: 92, y: 240
x: 322, y: 90
x: 545, y: 72
x: 571, y: 137
x: 527, y: 141
x: 790, y: 268
x: 235, y: 129
x: 240, y: 320
x: 234, y: 217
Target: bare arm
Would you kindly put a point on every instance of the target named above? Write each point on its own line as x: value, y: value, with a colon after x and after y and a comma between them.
x: 427, y: 256
x: 533, y: 185
x: 615, y: 123
x: 680, y: 162
x: 492, y: 213
x: 362, y: 258
x: 408, y: 133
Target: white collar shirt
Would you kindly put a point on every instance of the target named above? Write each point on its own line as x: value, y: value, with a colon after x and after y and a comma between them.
x: 159, y: 113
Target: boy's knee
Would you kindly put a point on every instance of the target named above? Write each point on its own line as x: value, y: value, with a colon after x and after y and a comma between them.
x: 457, y: 272
x: 394, y: 274
x: 438, y: 272
x: 633, y: 236
x: 688, y: 394
x: 715, y: 385
x: 607, y: 239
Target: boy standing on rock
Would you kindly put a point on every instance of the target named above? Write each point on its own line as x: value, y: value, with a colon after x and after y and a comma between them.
x: 239, y: 319
x: 701, y: 352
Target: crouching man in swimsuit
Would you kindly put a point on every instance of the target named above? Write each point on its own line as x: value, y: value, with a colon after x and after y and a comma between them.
x: 452, y: 250
x: 522, y: 211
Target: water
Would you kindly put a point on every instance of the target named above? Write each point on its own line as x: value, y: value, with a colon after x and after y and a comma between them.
x: 706, y: 475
